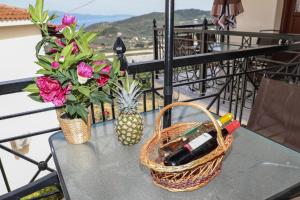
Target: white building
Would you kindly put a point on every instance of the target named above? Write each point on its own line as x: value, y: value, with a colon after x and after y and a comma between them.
x: 18, y: 37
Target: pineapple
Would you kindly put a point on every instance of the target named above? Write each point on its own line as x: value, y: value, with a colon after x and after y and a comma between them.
x: 129, y: 125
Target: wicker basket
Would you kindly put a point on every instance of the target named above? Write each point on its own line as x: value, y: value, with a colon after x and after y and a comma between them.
x: 76, y: 131
x: 190, y: 176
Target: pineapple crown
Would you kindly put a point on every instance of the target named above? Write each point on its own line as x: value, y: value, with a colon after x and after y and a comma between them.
x: 127, y: 94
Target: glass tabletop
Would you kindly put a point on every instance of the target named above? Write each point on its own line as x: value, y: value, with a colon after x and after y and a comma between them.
x: 254, y: 168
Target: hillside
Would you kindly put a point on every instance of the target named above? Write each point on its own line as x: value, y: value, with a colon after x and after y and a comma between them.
x: 137, y: 31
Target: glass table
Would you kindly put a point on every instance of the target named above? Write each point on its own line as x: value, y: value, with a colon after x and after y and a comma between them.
x: 254, y: 168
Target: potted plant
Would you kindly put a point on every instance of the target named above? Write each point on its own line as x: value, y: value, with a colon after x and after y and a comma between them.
x: 72, y: 75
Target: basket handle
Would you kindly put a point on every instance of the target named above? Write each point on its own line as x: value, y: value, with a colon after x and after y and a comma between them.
x: 220, y: 138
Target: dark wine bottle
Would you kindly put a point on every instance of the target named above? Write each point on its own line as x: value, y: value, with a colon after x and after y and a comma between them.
x: 199, y: 147
x: 178, y: 142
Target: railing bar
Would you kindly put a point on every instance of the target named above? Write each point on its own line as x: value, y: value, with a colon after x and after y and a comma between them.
x: 232, y: 87
x: 27, y: 113
x: 219, y: 77
x: 201, y: 98
x: 244, y: 87
x: 112, y: 105
x: 145, y: 101
x: 237, y: 97
x: 19, y: 155
x: 93, y: 113
x: 218, y: 105
x: 48, y: 158
x: 35, y: 175
x: 254, y: 94
x: 153, y: 89
x: 219, y: 93
x: 4, y: 176
x: 30, y: 135
x: 103, y: 112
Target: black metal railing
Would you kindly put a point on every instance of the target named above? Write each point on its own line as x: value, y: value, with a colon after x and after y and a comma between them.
x: 230, y: 84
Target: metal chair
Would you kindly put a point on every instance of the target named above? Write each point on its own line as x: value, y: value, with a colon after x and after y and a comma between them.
x: 42, y: 183
x: 275, y: 113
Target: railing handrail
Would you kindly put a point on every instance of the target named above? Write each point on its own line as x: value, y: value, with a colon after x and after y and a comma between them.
x: 285, y: 36
x: 9, y: 87
x: 209, y: 57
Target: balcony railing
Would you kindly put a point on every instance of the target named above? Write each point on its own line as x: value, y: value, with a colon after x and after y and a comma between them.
x: 224, y: 81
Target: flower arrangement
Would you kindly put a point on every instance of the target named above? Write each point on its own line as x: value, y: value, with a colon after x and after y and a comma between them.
x: 73, y: 76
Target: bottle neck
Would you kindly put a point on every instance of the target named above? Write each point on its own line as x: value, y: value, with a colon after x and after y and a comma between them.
x: 228, y: 130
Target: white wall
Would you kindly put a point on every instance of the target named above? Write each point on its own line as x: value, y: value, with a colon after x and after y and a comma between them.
x: 17, y: 51
x: 260, y: 15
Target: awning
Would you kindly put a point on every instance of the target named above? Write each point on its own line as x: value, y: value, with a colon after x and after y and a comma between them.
x: 225, y: 12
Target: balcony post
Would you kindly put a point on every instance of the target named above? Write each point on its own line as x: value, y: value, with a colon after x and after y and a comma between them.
x: 204, y: 49
x: 155, y: 44
x: 169, y: 54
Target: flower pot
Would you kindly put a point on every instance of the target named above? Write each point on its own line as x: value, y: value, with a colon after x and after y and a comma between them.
x: 76, y: 131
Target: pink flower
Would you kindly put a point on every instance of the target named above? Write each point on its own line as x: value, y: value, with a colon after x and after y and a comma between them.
x: 60, y: 43
x: 106, y: 69
x: 103, y: 80
x: 68, y: 20
x: 104, y: 76
x: 55, y: 65
x: 52, y: 91
x: 75, y: 48
x: 52, y: 51
x: 85, y: 70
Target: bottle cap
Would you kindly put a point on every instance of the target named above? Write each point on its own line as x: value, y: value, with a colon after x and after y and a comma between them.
x: 233, y: 126
x: 226, y: 118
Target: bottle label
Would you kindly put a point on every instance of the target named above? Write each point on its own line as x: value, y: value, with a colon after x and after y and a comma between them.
x: 194, y: 144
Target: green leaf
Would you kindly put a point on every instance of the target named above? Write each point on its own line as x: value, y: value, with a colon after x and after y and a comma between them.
x: 82, y: 112
x: 116, y: 65
x: 35, y: 97
x: 71, y: 109
x: 39, y: 9
x: 97, y: 68
x: 67, y: 32
x: 90, y: 36
x: 32, y: 88
x: 44, y: 65
x: 98, y: 97
x: 73, y: 74
x: 46, y: 59
x: 100, y: 56
x: 71, y: 97
x: 84, y: 90
x: 67, y: 50
x: 45, y: 72
x: 32, y: 13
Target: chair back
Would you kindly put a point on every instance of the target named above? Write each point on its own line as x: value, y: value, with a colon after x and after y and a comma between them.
x: 276, y: 112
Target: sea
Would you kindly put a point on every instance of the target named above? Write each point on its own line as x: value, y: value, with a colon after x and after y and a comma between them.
x: 87, y: 20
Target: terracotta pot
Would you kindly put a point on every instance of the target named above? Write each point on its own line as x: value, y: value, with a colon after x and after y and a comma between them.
x: 76, y: 131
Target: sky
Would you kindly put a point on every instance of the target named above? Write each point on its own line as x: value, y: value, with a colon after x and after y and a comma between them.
x: 112, y: 7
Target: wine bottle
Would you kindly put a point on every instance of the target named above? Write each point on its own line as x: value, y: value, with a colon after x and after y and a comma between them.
x: 191, y: 134
x: 199, y: 147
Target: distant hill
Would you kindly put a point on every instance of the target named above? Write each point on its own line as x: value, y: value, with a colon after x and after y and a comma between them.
x: 88, y: 20
x: 141, y: 26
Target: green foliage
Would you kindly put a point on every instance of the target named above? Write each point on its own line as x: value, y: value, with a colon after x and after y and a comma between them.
x: 32, y: 88
x: 45, y: 191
